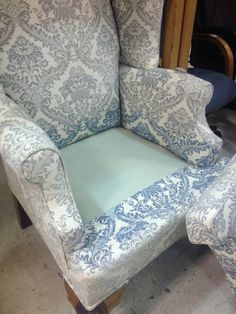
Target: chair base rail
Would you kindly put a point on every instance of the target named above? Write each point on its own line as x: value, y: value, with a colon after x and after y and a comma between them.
x: 104, y: 308
x: 23, y: 219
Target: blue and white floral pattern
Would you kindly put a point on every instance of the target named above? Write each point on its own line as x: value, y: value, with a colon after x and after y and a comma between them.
x: 139, y: 28
x: 61, y: 64
x: 168, y: 107
x: 61, y: 71
x: 120, y: 243
x: 112, y: 248
x: 36, y: 176
x: 212, y: 220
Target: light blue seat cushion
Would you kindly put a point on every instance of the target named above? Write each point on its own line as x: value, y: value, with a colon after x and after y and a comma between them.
x: 121, y: 242
x: 224, y: 88
x: 138, y: 195
x: 109, y: 167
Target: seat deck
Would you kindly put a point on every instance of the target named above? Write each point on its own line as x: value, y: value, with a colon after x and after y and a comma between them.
x: 107, y: 168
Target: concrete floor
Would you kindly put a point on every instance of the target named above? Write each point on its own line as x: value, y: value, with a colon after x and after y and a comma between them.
x: 186, y: 279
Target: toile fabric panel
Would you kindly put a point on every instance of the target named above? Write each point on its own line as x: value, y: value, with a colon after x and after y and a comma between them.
x: 59, y: 60
x: 168, y: 107
x: 212, y: 221
x: 119, y: 243
x: 139, y: 29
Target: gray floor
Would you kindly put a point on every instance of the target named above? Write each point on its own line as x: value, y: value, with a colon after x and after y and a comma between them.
x: 186, y: 279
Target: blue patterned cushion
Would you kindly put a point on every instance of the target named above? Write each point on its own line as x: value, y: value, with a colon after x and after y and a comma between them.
x: 59, y: 60
x: 139, y: 27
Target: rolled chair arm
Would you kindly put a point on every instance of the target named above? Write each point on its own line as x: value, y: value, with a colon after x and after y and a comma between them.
x: 223, y: 46
x: 212, y: 220
x: 33, y: 159
x: 19, y: 135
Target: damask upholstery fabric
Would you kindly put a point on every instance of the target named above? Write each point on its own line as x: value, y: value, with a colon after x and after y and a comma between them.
x: 61, y: 69
x: 33, y: 163
x: 126, y: 238
x: 225, y: 253
x: 212, y: 220
x: 98, y: 257
x: 139, y: 28
x: 110, y: 249
x: 61, y: 64
x: 168, y: 107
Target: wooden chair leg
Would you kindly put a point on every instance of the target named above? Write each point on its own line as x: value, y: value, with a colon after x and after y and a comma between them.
x: 104, y: 308
x: 23, y: 219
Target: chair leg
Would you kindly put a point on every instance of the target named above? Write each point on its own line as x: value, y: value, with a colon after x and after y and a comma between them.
x: 104, y: 308
x: 23, y: 219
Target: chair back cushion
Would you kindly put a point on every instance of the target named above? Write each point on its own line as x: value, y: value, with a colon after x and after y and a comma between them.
x: 59, y: 59
x: 139, y: 28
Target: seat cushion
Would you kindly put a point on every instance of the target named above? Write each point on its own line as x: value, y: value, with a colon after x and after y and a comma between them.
x: 224, y: 88
x: 122, y: 241
x: 106, y: 168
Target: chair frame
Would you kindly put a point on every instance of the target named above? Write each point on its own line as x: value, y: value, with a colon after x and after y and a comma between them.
x: 23, y: 219
x: 224, y: 48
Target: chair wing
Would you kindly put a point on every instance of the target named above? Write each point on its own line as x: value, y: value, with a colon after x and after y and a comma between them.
x: 168, y: 108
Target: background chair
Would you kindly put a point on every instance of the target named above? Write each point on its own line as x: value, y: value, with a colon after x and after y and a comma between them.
x: 213, y: 50
x: 179, y: 17
x: 214, y: 44
x: 79, y: 135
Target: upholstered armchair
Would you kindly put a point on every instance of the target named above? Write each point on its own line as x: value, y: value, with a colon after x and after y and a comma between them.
x: 212, y: 221
x: 104, y: 158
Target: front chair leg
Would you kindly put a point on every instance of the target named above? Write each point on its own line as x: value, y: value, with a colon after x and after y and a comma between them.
x: 23, y: 219
x: 104, y: 308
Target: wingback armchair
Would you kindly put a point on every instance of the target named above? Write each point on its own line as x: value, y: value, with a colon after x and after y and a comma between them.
x: 212, y: 221
x: 104, y: 157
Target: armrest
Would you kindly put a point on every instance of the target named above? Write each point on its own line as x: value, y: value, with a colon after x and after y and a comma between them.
x: 19, y: 135
x: 212, y: 220
x: 33, y: 159
x: 168, y: 107
x: 223, y: 46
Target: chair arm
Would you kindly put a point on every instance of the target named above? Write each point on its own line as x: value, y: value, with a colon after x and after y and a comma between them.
x: 212, y: 220
x: 19, y: 135
x: 168, y: 107
x: 33, y: 159
x: 223, y: 46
